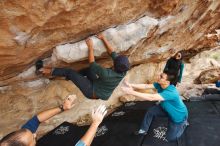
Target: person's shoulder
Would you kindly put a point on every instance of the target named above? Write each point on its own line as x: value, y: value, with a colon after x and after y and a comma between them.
x: 93, y: 64
x: 172, y: 88
x: 172, y: 92
x: 112, y: 72
x: 157, y: 86
x: 114, y: 55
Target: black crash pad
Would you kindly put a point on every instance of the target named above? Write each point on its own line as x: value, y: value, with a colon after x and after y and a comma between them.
x: 117, y: 129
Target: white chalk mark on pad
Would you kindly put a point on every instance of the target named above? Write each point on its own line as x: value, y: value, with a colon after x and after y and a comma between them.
x: 160, y: 133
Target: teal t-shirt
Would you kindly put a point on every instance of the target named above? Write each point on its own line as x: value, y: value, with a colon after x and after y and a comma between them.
x: 172, y: 103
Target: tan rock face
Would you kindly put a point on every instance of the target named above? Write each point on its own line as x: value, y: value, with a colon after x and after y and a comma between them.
x: 30, y: 29
x: 22, y: 101
x: 209, y: 76
x: 203, y: 61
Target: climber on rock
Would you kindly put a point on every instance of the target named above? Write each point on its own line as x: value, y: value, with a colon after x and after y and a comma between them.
x: 170, y: 106
x: 26, y: 136
x: 175, y: 67
x: 95, y: 82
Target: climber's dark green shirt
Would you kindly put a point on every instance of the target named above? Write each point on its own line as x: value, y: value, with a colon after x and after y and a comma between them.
x: 107, y: 80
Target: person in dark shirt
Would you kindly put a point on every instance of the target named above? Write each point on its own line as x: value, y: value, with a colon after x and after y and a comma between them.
x: 95, y: 82
x: 26, y: 136
x: 175, y: 66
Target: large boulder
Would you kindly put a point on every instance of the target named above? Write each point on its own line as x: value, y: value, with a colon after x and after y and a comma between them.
x: 31, y: 30
x: 209, y: 76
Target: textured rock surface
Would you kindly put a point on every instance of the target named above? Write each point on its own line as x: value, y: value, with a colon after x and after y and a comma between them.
x: 201, y: 62
x: 25, y: 100
x: 209, y: 76
x: 30, y: 30
x: 196, y: 65
x: 122, y: 38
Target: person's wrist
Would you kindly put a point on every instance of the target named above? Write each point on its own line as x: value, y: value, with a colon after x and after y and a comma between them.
x: 90, y: 48
x: 96, y: 123
x: 61, y: 107
x: 104, y: 39
x: 132, y: 92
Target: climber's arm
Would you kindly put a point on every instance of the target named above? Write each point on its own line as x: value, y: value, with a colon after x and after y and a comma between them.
x: 34, y: 123
x: 110, y: 49
x: 91, y: 50
x: 97, y: 117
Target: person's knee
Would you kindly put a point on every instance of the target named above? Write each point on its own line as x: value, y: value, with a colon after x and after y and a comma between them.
x: 150, y: 113
x: 69, y: 70
x: 69, y: 73
x: 176, y: 135
x: 171, y: 138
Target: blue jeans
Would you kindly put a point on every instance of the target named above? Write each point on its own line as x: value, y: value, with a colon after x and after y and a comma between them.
x: 174, y: 130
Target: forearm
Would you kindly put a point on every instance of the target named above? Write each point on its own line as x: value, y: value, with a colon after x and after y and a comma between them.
x: 108, y: 46
x: 147, y: 97
x: 142, y: 86
x: 91, y: 56
x: 90, y: 134
x: 45, y: 115
x: 142, y: 96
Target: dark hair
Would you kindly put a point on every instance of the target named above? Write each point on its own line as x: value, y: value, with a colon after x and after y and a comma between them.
x: 121, y: 64
x: 170, y: 76
x: 14, y: 138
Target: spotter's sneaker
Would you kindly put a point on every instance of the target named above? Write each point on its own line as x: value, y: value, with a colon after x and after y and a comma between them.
x: 140, y: 132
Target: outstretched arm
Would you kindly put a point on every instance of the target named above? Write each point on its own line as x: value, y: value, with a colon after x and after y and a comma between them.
x: 91, y: 50
x: 34, y: 122
x: 142, y: 86
x: 143, y: 96
x: 106, y: 43
x: 67, y: 104
x: 97, y: 117
x: 139, y: 86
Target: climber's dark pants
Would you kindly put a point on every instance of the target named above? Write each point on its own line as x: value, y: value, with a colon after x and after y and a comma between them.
x: 82, y: 79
